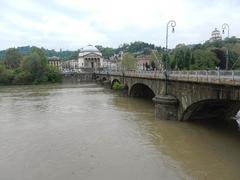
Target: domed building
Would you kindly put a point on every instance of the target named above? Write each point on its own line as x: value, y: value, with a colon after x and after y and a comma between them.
x: 90, y: 58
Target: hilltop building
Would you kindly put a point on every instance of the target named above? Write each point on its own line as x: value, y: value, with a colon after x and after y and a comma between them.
x: 216, y: 35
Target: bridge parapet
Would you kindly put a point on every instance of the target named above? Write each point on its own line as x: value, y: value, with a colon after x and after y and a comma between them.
x: 213, y: 77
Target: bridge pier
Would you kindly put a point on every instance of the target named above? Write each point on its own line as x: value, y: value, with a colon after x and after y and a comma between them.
x: 166, y: 107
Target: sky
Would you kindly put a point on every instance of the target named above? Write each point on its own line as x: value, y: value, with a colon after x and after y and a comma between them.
x: 73, y: 24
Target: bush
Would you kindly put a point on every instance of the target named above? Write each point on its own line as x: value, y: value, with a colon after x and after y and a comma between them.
x: 117, y: 86
x: 22, y: 77
x: 6, y: 76
x: 53, y: 75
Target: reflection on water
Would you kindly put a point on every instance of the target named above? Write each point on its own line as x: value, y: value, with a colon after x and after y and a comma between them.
x: 88, y: 132
x: 202, y: 149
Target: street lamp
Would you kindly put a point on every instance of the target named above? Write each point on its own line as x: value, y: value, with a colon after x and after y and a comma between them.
x: 171, y: 24
x: 225, y: 27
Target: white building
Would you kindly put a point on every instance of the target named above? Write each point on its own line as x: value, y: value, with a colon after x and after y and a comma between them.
x: 71, y: 65
x: 110, y: 64
x: 90, y: 58
x: 114, y: 62
x: 216, y: 35
x: 55, y: 62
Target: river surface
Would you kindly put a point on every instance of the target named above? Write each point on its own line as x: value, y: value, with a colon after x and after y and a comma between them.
x: 87, y: 132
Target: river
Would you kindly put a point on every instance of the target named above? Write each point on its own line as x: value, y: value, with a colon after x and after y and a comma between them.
x: 87, y: 132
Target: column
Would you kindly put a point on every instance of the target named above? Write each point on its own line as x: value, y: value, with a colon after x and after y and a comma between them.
x: 166, y: 107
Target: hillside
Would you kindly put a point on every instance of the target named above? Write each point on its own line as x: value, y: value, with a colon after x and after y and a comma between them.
x: 134, y: 47
x: 64, y: 55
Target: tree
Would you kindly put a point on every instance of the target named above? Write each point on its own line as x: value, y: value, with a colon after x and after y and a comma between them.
x: 204, y: 60
x: 155, y: 57
x: 53, y: 75
x: 182, y: 58
x: 179, y: 58
x: 34, y: 65
x: 41, y: 54
x: 166, y: 61
x: 107, y: 52
x: 12, y: 58
x: 6, y: 75
x: 233, y: 58
x: 153, y: 65
x: 129, y: 62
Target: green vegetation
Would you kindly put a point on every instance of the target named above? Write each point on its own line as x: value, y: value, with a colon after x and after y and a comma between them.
x: 155, y: 59
x: 63, y: 55
x: 31, y: 68
x: 107, y: 52
x: 128, y: 62
x: 205, y: 56
x: 137, y: 47
x: 117, y: 86
x: 12, y: 58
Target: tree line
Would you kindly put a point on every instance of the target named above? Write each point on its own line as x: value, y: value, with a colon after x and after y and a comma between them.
x: 221, y: 54
x: 206, y: 56
x: 31, y: 68
x: 209, y: 55
x: 63, y: 55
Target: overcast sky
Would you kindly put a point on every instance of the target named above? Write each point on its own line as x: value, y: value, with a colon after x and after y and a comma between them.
x: 72, y: 24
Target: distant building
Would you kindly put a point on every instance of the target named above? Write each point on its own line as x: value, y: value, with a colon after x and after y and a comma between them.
x: 55, y: 62
x: 90, y: 58
x: 216, y: 35
x: 111, y: 64
x: 142, y: 61
x: 71, y: 65
x: 114, y: 62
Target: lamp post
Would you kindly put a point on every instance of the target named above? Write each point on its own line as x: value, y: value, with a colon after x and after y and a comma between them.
x: 225, y: 27
x: 171, y: 24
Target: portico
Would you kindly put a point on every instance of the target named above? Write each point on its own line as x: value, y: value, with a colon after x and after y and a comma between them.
x: 90, y: 58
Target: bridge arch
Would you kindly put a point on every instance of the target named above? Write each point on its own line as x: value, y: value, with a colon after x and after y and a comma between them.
x: 103, y: 79
x: 141, y: 90
x: 211, y: 109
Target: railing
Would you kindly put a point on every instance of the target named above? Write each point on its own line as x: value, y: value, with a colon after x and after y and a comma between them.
x: 216, y: 77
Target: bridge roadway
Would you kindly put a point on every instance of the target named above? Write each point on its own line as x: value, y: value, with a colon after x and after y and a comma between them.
x: 191, y: 95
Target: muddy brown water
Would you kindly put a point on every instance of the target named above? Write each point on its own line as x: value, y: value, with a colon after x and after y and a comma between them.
x: 87, y: 132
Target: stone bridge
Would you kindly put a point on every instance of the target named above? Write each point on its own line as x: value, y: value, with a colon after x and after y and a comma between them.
x: 75, y: 77
x: 183, y: 96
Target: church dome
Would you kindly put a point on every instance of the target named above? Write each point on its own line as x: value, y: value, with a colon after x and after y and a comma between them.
x: 89, y: 48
